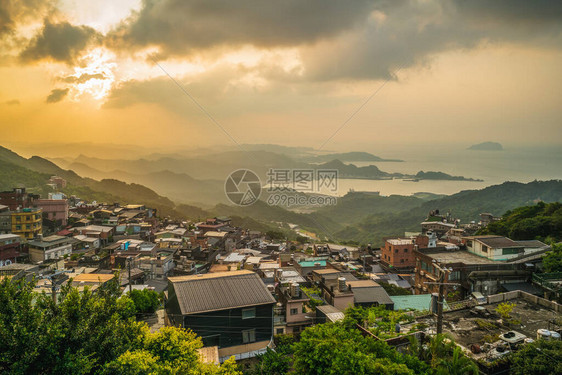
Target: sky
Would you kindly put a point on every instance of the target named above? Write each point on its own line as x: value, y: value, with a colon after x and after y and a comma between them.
x: 338, y: 75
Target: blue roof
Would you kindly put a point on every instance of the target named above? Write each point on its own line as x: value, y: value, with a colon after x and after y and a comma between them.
x: 415, y: 301
x: 311, y: 263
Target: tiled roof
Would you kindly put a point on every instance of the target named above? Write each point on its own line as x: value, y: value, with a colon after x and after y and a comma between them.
x: 498, y: 242
x: 219, y: 291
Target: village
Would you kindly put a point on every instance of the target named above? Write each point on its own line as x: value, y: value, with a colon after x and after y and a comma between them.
x: 237, y: 289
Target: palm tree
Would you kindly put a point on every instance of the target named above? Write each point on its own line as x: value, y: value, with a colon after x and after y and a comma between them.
x: 457, y: 364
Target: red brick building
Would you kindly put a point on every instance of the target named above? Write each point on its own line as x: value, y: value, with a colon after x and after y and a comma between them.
x: 17, y: 198
x: 399, y: 252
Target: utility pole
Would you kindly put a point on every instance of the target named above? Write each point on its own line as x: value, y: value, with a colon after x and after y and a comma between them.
x: 441, y: 295
x: 440, y: 302
x: 129, y: 266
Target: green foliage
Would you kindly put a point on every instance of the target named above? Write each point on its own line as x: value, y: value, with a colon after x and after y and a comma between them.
x: 272, y: 363
x: 334, y: 349
x: 275, y: 235
x: 542, y: 357
x: 394, y: 290
x: 505, y: 309
x: 540, y: 221
x: 380, y: 321
x: 552, y: 261
x: 145, y: 301
x: 89, y: 333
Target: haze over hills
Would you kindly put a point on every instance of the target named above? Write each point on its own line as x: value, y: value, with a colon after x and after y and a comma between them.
x: 200, y: 179
x: 357, y: 216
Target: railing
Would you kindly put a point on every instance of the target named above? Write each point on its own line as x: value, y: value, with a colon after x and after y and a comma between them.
x: 542, y: 280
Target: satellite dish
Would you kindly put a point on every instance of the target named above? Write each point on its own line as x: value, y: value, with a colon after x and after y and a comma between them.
x: 7, y: 262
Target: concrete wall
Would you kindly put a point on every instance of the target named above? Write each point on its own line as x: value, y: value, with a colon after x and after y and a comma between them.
x: 516, y: 294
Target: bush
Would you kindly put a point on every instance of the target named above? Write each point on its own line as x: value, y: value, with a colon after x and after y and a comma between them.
x: 146, y: 301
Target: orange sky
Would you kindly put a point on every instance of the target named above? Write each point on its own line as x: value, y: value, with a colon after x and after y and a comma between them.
x: 79, y: 71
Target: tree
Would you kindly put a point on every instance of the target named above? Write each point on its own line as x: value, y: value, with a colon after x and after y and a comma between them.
x: 457, y: 364
x: 505, y: 309
x: 552, y: 261
x: 145, y: 301
x: 542, y: 357
x: 90, y: 332
x: 272, y: 363
x: 332, y: 348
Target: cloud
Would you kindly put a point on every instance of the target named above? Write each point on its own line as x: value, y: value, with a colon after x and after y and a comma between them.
x: 56, y: 95
x: 359, y: 40
x: 83, y: 78
x: 15, y: 12
x: 410, y: 34
x: 60, y: 42
x: 180, y: 27
x: 12, y: 102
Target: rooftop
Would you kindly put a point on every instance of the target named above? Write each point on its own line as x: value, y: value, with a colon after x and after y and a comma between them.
x: 494, y: 241
x: 456, y: 256
x: 220, y: 291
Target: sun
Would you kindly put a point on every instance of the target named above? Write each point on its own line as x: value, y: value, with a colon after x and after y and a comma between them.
x: 94, y: 75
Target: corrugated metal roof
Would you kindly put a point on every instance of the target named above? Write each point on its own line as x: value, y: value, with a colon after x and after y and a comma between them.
x: 219, y: 291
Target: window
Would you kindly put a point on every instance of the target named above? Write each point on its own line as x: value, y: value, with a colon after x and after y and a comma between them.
x: 455, y: 275
x: 405, y: 250
x: 294, y: 311
x: 248, y: 336
x: 396, y: 250
x: 509, y: 251
x: 249, y: 313
x: 279, y: 331
x: 401, y: 260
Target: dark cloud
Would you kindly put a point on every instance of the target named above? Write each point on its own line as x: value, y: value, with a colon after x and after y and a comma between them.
x: 15, y: 12
x: 410, y: 34
x: 83, y: 78
x: 12, y: 102
x: 339, y: 39
x: 182, y: 26
x: 61, y: 42
x: 56, y: 95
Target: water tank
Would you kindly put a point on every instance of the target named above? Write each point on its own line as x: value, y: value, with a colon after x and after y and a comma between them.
x: 295, y: 290
x: 278, y: 274
x: 554, y: 335
x: 342, y: 286
x: 543, y: 334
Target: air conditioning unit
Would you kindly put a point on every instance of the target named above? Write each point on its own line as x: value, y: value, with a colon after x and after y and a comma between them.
x: 415, y: 270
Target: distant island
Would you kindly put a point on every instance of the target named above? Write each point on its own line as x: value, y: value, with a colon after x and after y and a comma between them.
x: 372, y: 172
x: 487, y: 146
x: 430, y: 175
x: 349, y: 157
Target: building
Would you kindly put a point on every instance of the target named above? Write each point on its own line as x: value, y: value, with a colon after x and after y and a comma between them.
x: 52, y: 247
x: 5, y: 220
x: 27, y: 222
x: 57, y: 182
x: 231, y: 310
x: 17, y: 198
x: 55, y: 210
x: 501, y: 248
x: 104, y: 233
x: 368, y: 293
x: 437, y: 227
x: 471, y: 272
x: 293, y: 300
x: 10, y: 248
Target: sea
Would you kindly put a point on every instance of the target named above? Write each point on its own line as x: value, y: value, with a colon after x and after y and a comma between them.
x: 521, y: 164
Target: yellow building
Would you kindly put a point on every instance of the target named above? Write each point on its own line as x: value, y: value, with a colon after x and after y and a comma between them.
x: 27, y: 222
